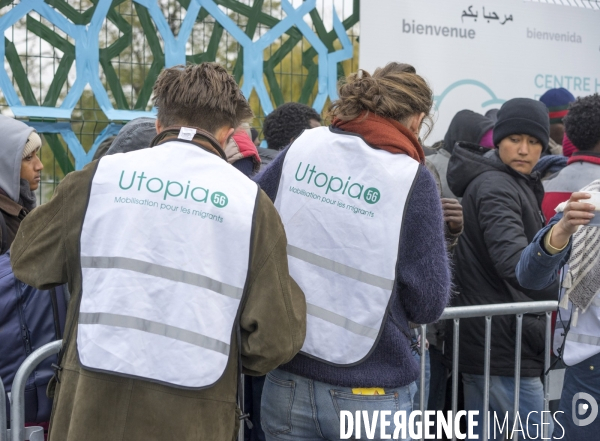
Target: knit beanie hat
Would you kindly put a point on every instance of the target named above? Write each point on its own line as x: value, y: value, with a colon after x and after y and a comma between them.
x: 523, y: 116
x: 557, y: 101
x: 568, y: 147
x: 34, y: 143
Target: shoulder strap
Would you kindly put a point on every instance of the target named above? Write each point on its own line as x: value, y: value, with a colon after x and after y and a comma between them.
x: 3, y: 235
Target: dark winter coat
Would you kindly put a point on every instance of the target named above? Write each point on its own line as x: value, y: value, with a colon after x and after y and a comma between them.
x: 466, y: 126
x: 266, y: 156
x: 502, y: 216
x: 13, y: 213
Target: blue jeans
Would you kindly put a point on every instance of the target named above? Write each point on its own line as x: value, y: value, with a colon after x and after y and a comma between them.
x: 579, y: 378
x: 502, y: 395
x: 295, y: 407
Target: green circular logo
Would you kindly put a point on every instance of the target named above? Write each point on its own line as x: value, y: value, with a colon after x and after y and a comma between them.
x: 372, y: 195
x: 219, y: 199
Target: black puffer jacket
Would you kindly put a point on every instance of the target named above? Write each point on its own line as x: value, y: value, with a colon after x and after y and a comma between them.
x: 502, y: 215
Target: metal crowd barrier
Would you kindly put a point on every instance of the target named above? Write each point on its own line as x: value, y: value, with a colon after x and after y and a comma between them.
x: 489, y: 311
x: 18, y: 431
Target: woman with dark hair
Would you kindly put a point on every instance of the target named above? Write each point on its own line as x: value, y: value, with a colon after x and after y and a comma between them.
x: 364, y: 225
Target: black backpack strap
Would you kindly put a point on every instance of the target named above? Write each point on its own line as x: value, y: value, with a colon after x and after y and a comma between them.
x: 3, y: 235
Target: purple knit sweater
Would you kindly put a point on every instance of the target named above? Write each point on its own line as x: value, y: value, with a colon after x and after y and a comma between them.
x: 422, y: 291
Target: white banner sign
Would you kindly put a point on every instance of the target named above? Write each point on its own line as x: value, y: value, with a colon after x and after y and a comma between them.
x: 477, y: 54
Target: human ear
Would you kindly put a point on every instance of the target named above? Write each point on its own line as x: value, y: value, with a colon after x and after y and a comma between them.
x: 223, y: 135
x: 158, y: 126
x: 415, y: 122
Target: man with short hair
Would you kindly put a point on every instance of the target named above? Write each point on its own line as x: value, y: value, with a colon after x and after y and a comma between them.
x: 501, y: 203
x: 178, y: 271
x: 583, y: 130
x: 285, y: 124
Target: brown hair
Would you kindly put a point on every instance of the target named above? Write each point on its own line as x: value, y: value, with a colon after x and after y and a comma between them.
x: 394, y: 91
x: 202, y: 95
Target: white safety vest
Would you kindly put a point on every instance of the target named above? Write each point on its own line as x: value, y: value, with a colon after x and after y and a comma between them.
x: 582, y: 340
x: 165, y: 250
x: 342, y: 204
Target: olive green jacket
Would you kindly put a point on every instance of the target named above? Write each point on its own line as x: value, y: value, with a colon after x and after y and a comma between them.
x: 95, y: 406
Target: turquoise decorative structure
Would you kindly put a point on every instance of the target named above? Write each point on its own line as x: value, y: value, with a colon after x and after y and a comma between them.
x: 90, y: 60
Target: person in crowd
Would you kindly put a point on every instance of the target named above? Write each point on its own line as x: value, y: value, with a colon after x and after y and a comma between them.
x: 363, y: 220
x: 178, y: 271
x: 20, y: 175
x: 137, y: 134
x: 241, y: 151
x: 466, y: 126
x: 492, y: 114
x: 103, y: 148
x: 549, y: 165
x: 255, y: 137
x: 501, y: 202
x: 568, y: 147
x: 557, y: 102
x: 583, y: 131
x: 436, y: 372
x: 285, y: 124
x: 40, y: 313
x: 569, y: 242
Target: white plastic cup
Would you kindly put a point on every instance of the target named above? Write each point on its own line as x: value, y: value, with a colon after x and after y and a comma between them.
x: 595, y: 201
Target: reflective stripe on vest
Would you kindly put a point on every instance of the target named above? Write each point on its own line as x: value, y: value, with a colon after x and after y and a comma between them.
x: 583, y: 340
x: 342, y: 205
x: 165, y: 250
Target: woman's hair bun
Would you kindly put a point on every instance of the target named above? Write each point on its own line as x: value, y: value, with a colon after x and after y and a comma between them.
x: 394, y: 91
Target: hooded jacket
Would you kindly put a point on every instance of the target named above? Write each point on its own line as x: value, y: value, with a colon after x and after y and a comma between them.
x: 502, y: 216
x: 466, y: 126
x: 16, y: 200
x: 242, y: 153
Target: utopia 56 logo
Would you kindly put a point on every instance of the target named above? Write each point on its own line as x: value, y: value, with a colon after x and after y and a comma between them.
x: 335, y: 184
x: 171, y: 189
x: 580, y: 409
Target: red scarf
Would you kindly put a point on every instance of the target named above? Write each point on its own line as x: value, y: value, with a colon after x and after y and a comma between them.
x: 384, y: 133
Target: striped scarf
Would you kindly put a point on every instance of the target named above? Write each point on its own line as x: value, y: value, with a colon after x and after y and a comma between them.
x: 582, y: 281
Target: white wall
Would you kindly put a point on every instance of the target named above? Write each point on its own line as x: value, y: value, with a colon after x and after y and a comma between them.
x: 484, y: 61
